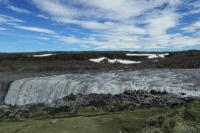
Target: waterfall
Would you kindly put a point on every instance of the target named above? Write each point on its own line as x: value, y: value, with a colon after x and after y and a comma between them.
x: 47, y: 89
x: 4, y: 86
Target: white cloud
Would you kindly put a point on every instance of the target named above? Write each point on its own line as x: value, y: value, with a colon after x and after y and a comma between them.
x: 95, y: 9
x: 124, y: 9
x: 4, y: 19
x: 36, y: 29
x: 106, y: 42
x: 53, y: 7
x: 42, y: 16
x: 19, y: 10
x: 193, y: 27
x: 43, y: 38
x: 192, y: 7
x: 160, y: 23
x: 120, y: 23
x: 195, y: 4
x: 95, y: 25
x: 183, y: 41
x: 70, y: 40
x: 76, y: 40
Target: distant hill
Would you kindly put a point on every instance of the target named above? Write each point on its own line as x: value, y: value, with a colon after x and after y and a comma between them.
x: 62, y: 62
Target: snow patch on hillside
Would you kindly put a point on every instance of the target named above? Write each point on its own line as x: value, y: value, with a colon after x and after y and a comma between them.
x: 150, y: 56
x: 43, y: 55
x: 99, y: 60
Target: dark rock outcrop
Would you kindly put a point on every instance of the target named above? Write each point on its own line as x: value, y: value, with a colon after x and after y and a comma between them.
x: 129, y: 100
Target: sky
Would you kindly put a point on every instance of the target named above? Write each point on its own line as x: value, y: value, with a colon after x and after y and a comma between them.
x: 82, y: 25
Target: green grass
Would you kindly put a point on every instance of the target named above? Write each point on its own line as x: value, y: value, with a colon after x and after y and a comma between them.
x: 182, y: 119
x: 94, y: 123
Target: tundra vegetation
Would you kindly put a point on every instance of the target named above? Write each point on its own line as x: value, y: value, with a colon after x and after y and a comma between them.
x: 183, y: 118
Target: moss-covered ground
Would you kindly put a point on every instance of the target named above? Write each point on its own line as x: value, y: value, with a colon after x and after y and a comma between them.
x: 181, y: 119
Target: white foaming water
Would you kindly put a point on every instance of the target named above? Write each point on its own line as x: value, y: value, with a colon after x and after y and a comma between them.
x: 48, y: 89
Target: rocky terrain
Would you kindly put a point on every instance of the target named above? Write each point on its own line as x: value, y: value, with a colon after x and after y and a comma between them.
x: 62, y: 62
x: 173, y: 103
x: 127, y: 101
x: 179, y: 118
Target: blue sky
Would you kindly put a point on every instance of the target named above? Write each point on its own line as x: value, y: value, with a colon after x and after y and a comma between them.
x: 80, y: 25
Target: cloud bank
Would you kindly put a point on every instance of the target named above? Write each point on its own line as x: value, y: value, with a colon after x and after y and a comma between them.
x: 121, y: 23
x: 117, y: 24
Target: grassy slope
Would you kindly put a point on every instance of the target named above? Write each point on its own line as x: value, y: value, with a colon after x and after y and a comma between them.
x: 183, y: 119
x: 105, y: 123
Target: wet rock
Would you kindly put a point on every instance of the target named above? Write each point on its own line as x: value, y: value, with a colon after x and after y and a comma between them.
x: 129, y: 100
x: 154, y: 92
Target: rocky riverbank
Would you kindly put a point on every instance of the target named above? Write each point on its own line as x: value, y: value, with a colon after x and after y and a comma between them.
x: 127, y: 101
